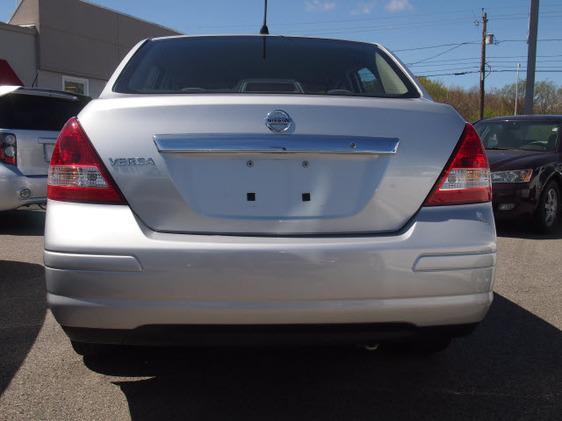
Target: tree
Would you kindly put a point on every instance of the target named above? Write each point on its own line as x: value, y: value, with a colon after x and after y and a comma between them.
x: 507, y: 95
x: 436, y: 89
x: 548, y: 98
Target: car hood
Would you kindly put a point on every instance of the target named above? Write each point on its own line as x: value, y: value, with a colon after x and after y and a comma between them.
x: 515, y: 159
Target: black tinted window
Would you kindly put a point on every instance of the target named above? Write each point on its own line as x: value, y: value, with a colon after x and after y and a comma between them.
x: 518, y: 134
x: 32, y: 112
x: 250, y: 64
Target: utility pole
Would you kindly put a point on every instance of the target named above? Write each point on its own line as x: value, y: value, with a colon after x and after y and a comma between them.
x: 531, y: 57
x: 517, y: 68
x: 483, y: 61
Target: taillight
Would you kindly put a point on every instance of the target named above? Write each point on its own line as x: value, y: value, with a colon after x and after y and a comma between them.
x: 77, y: 173
x: 466, y: 177
x: 8, y: 148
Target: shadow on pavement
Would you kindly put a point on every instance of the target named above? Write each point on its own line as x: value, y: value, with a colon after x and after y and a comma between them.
x: 22, y: 222
x: 22, y: 311
x: 510, y: 368
x: 526, y: 230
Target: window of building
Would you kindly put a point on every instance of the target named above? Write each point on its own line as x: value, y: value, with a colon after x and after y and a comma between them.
x: 76, y: 85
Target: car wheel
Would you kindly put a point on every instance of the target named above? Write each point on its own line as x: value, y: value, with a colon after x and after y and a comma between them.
x: 548, y: 211
x: 423, y: 346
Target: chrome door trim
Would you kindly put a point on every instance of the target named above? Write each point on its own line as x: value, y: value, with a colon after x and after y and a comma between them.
x: 255, y: 143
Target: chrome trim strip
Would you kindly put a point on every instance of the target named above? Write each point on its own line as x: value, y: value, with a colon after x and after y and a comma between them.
x: 255, y: 143
x: 46, y: 140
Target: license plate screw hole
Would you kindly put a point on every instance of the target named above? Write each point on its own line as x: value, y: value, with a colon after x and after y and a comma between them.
x: 250, y: 164
x: 305, y: 164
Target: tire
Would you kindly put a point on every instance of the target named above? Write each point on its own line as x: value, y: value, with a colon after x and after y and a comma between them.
x: 423, y: 346
x: 547, y: 214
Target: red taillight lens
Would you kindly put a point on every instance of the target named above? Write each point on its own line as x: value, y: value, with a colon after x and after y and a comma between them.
x: 77, y: 173
x: 466, y: 178
x: 8, y: 148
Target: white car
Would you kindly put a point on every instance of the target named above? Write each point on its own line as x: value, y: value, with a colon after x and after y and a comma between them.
x: 234, y: 189
x: 30, y: 120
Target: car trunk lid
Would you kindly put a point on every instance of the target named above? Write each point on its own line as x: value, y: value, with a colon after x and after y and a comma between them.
x: 34, y: 150
x: 209, y: 163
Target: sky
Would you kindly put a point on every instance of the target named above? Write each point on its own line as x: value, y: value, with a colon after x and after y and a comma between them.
x: 434, y: 37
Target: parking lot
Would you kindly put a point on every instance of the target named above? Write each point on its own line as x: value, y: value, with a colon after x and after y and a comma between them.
x: 510, y: 368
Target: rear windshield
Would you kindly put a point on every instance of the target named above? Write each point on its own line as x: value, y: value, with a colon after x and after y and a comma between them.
x: 523, y: 135
x: 33, y: 112
x: 263, y: 65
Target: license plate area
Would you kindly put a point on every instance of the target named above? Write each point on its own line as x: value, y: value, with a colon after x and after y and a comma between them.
x: 280, y: 187
x: 48, y: 151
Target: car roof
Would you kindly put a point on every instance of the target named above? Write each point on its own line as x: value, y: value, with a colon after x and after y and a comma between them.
x: 526, y: 117
x: 266, y: 36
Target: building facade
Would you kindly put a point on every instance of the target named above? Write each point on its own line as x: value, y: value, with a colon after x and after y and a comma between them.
x: 70, y: 45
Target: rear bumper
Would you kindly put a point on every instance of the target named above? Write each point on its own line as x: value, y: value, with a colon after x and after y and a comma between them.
x: 107, y: 271
x: 129, y: 314
x: 220, y: 335
x: 13, y: 183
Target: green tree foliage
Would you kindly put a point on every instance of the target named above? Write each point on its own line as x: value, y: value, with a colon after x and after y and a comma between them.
x: 548, y: 98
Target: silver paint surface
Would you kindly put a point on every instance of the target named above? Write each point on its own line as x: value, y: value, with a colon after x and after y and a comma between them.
x: 233, y: 279
x: 191, y: 248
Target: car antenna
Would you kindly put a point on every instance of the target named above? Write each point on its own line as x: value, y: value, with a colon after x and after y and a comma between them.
x: 264, y: 29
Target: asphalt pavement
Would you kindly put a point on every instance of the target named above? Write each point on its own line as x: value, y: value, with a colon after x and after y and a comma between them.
x: 510, y: 368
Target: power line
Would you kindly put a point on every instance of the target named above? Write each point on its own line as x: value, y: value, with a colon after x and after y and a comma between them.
x: 472, y: 69
x: 441, y: 53
x: 524, y: 40
x: 383, y: 28
x: 455, y: 14
x: 523, y: 56
x: 405, y: 25
x: 443, y: 66
x: 457, y: 45
x: 474, y: 62
x: 464, y: 67
x: 458, y: 59
x: 452, y: 69
x: 394, y: 27
x: 490, y: 71
x: 499, y: 62
x: 427, y: 47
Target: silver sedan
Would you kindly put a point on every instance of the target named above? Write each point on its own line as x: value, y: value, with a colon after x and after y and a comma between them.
x: 242, y: 189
